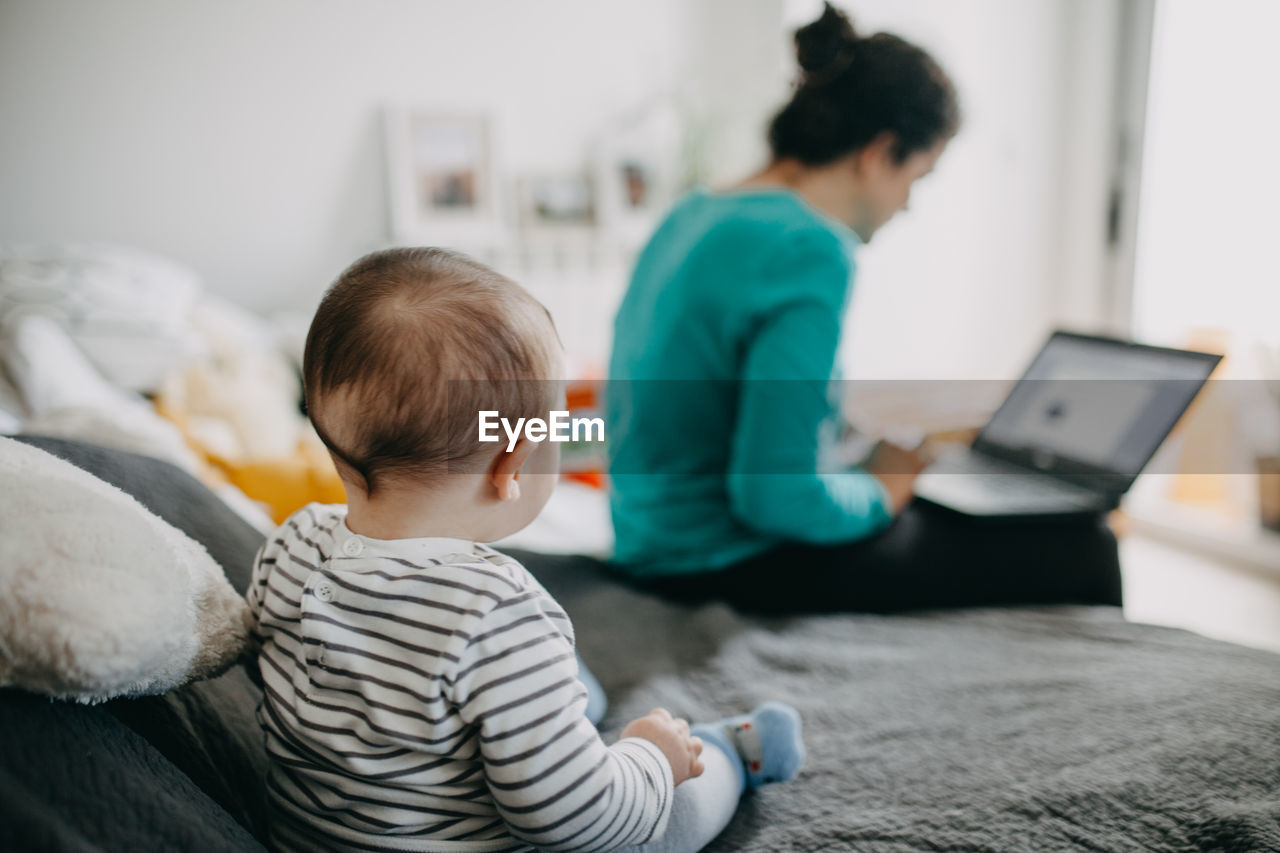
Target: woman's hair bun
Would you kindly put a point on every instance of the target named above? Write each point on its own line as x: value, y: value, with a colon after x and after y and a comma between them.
x: 854, y: 88
x: 827, y: 44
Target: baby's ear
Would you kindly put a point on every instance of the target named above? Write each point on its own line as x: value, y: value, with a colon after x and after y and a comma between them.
x: 504, y: 473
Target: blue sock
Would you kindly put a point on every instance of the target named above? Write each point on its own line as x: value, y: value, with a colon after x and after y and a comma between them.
x: 766, y: 742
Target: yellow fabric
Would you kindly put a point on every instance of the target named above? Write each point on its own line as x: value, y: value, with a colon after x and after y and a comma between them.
x: 288, y: 484
x: 282, y: 484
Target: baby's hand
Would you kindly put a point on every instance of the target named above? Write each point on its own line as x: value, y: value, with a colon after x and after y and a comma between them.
x: 672, y: 737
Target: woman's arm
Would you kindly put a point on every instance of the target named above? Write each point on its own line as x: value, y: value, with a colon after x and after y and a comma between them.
x: 773, y: 480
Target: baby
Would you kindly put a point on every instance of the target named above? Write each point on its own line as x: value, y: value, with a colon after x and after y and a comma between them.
x: 421, y: 690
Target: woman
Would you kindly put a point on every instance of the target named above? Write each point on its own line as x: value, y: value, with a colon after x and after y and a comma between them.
x: 724, y: 348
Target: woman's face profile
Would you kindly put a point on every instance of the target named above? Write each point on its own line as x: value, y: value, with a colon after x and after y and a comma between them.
x: 887, y: 183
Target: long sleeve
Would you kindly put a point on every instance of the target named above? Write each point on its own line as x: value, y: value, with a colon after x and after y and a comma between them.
x: 774, y: 480
x: 253, y: 596
x: 554, y: 782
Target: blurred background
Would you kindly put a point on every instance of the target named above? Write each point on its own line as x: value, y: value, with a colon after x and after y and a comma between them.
x: 180, y: 181
x: 250, y: 142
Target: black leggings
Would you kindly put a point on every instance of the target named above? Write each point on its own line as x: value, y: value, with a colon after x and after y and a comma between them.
x: 928, y: 558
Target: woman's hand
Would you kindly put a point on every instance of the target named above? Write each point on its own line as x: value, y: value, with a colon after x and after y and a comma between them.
x: 672, y: 736
x: 897, y: 468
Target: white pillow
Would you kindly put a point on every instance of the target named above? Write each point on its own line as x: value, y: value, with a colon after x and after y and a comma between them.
x: 66, y: 397
x: 125, y: 308
x: 99, y: 597
x: 51, y: 372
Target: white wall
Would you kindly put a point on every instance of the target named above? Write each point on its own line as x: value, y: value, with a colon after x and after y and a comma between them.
x: 1209, y: 219
x: 243, y: 137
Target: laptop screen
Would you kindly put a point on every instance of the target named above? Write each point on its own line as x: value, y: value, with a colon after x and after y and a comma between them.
x: 1095, y: 405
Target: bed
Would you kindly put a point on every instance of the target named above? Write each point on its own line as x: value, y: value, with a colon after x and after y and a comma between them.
x: 1020, y: 729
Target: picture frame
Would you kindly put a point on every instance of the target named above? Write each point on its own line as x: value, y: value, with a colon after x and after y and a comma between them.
x: 634, y: 166
x: 634, y: 182
x: 558, y: 201
x: 441, y: 178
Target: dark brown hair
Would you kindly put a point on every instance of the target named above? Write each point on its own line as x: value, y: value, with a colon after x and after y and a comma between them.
x: 407, y: 346
x: 853, y: 88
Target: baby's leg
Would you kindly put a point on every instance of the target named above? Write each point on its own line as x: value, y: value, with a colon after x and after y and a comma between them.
x: 749, y: 750
x: 703, y: 806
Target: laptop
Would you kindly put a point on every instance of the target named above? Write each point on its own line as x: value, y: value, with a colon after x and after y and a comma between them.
x: 1073, y: 433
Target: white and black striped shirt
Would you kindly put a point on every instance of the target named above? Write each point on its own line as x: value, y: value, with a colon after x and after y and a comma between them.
x: 422, y: 694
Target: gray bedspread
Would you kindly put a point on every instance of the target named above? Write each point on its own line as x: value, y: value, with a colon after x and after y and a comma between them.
x: 1064, y: 729
x: 1045, y: 729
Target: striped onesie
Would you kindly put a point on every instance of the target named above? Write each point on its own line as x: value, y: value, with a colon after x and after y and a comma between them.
x: 422, y: 694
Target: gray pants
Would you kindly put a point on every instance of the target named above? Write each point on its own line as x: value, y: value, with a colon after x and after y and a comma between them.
x: 702, y: 808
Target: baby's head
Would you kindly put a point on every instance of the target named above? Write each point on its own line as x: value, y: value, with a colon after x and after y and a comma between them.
x: 406, y: 348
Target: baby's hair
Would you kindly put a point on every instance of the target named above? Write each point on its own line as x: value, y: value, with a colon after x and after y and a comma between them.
x: 852, y: 88
x: 407, y: 346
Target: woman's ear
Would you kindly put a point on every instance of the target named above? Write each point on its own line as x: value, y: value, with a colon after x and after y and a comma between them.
x: 877, y: 155
x: 504, y: 473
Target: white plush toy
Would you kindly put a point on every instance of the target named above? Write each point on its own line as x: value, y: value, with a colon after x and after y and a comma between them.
x: 99, y: 597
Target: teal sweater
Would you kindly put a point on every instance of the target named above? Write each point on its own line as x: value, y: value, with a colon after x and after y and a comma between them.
x: 718, y: 402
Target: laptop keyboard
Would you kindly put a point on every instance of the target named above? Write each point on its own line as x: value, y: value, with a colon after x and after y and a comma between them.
x: 1006, y: 482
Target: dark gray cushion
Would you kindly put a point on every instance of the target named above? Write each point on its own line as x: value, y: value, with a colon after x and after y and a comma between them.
x: 183, y: 771
x: 76, y: 778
